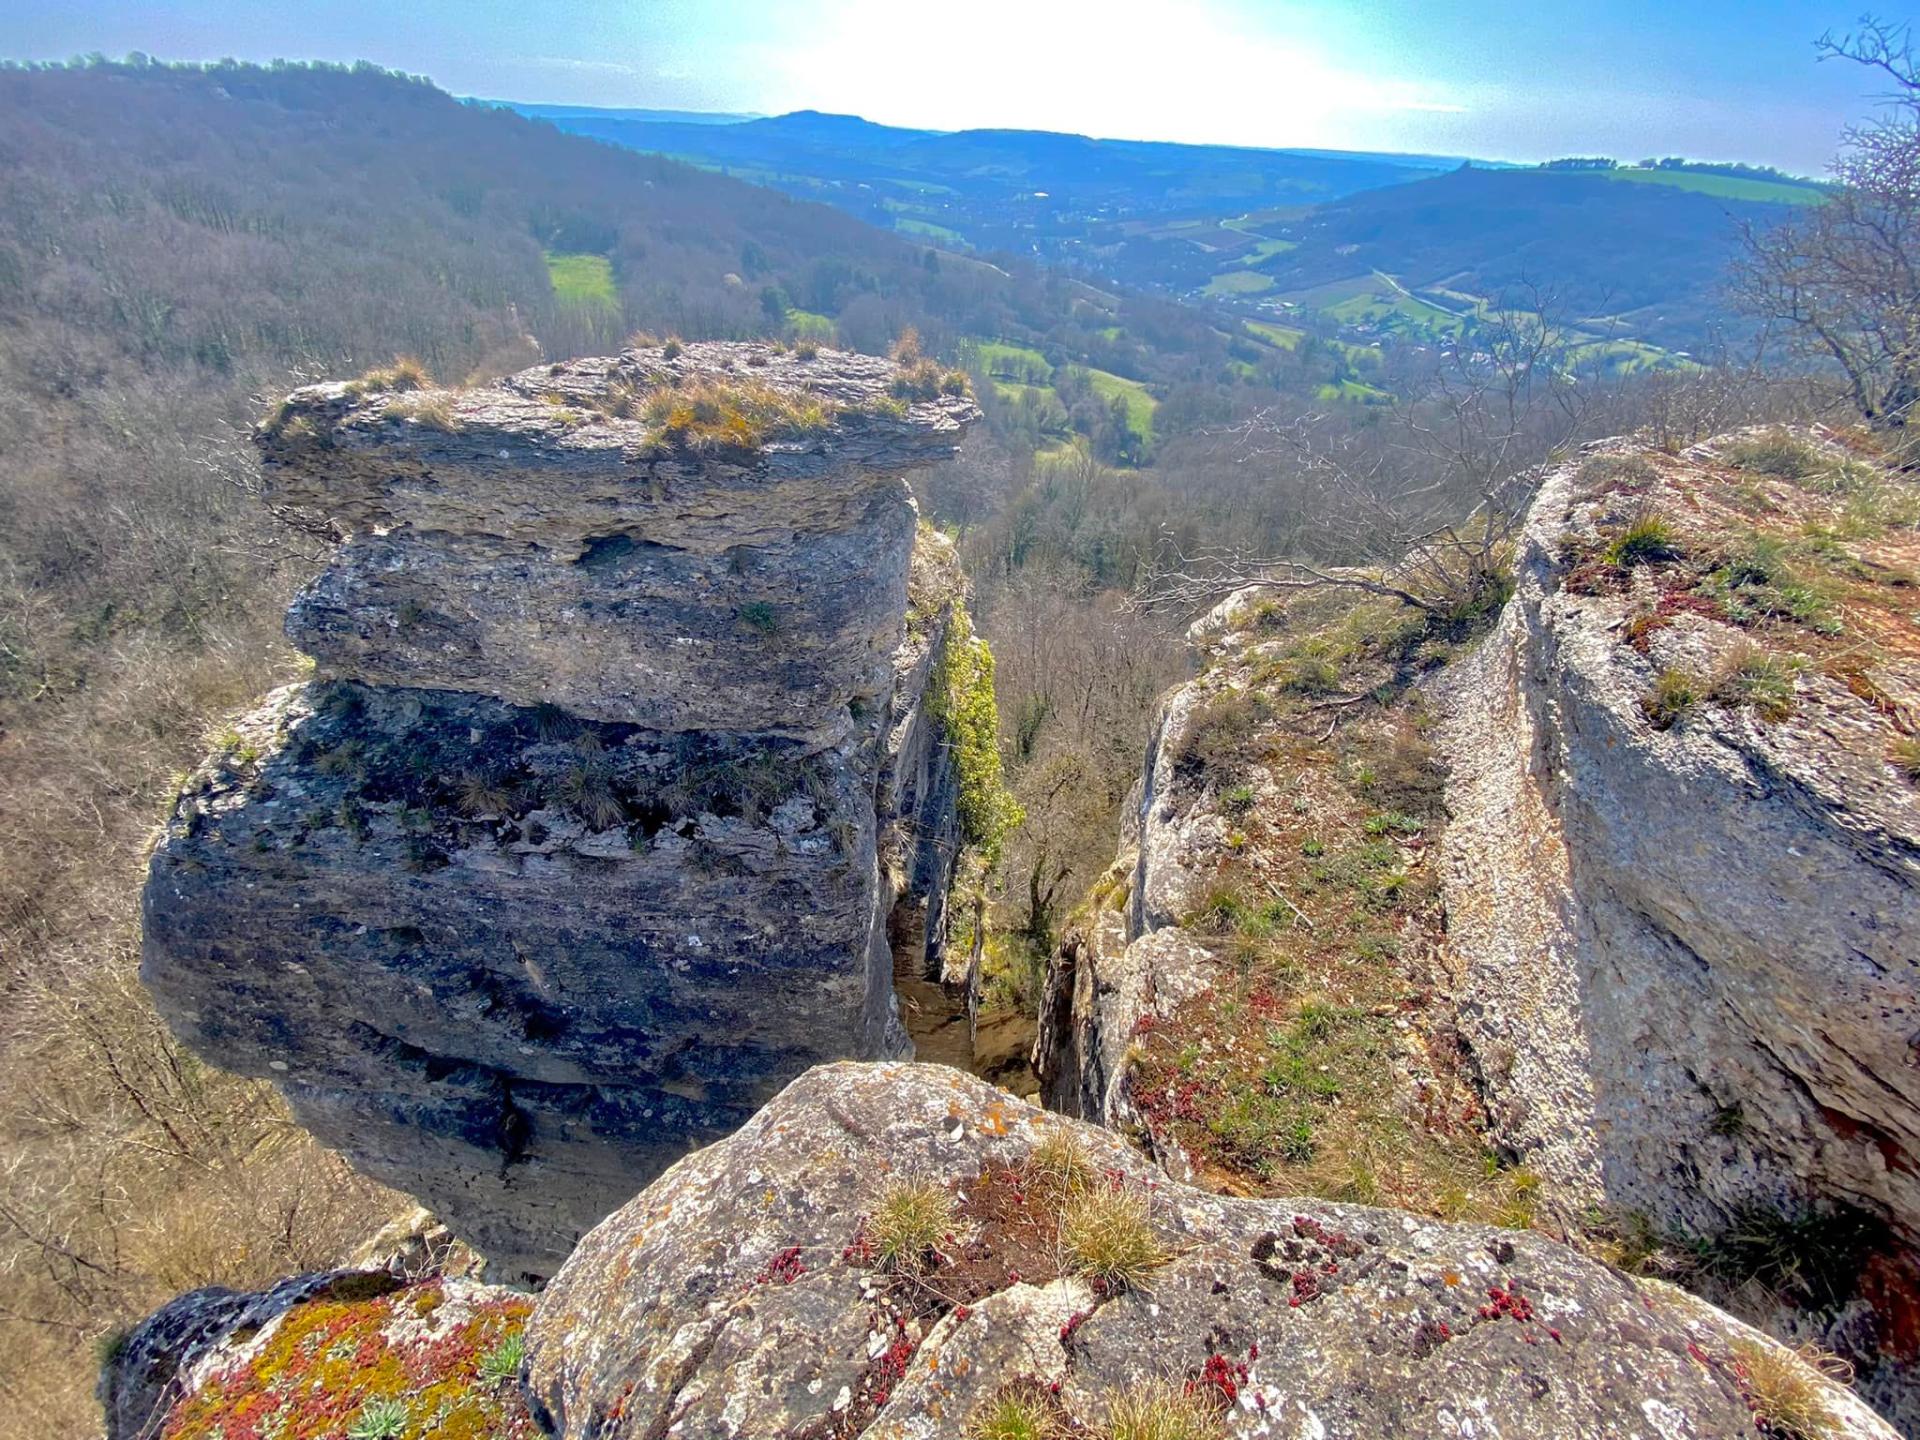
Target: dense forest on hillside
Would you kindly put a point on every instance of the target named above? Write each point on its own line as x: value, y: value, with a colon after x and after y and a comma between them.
x: 180, y: 244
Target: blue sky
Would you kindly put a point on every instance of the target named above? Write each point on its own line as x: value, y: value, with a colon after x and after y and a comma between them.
x: 1497, y: 78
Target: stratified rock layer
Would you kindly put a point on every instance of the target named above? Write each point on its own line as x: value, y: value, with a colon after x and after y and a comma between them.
x: 740, y: 1295
x: 570, y: 856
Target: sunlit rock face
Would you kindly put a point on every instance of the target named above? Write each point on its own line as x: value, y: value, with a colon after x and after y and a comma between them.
x: 570, y: 854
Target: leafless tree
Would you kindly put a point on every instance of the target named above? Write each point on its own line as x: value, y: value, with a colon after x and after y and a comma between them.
x: 1843, y: 277
x: 1428, y: 511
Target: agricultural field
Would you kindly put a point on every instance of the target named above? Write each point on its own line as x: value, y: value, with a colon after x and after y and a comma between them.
x: 582, y: 280
x: 1721, y: 187
x: 1140, y: 405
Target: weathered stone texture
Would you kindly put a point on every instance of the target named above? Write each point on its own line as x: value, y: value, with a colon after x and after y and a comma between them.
x: 1659, y: 929
x: 733, y: 1298
x: 572, y: 854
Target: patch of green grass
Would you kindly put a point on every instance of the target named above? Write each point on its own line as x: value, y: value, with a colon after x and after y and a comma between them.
x: 810, y: 325
x: 1647, y: 540
x: 1286, y: 337
x: 583, y: 280
x: 1239, y: 282
x: 1014, y: 1415
x: 1752, y: 676
x: 1141, y: 406
x: 1779, y: 453
x: 1675, y: 695
x: 1004, y: 360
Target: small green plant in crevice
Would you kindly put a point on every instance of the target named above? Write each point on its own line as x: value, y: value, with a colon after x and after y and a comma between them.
x: 382, y: 1419
x: 502, y: 1363
x: 960, y: 700
x: 1163, y: 1410
x: 1751, y: 676
x: 760, y: 616
x: 1905, y: 757
x: 1648, y: 539
x: 1015, y: 1415
x: 1108, y: 1235
x: 1809, y: 1258
x: 1675, y: 695
x: 1786, y: 1390
x: 909, y: 1223
x: 1237, y: 800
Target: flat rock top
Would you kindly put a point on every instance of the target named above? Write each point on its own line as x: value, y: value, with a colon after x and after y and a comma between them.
x: 763, y: 398
x: 748, y: 1292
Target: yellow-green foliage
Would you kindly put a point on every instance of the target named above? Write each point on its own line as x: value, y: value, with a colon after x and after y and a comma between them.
x: 329, y: 1369
x: 1162, y: 1410
x: 1014, y: 1415
x: 960, y: 697
x: 721, y: 415
x: 912, y: 1218
x: 1062, y: 1159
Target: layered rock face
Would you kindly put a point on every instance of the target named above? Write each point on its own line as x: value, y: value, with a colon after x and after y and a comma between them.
x: 746, y: 1293
x: 1689, y: 939
x: 570, y: 854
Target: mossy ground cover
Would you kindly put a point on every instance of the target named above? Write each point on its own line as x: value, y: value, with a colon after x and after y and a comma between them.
x: 1320, y: 1062
x: 415, y: 1363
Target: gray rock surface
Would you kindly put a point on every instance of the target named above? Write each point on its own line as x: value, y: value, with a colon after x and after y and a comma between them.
x: 736, y: 1296
x: 1659, y: 929
x: 507, y: 953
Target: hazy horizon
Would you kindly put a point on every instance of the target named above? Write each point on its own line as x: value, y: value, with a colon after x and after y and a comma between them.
x: 1499, y: 81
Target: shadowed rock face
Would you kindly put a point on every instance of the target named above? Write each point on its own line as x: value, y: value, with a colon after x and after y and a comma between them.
x: 740, y: 1295
x: 571, y: 854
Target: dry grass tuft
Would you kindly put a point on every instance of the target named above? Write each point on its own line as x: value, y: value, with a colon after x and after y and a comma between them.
x: 430, y: 411
x: 909, y: 1223
x: 1785, y: 1389
x: 709, y: 415
x: 403, y: 375
x: 1062, y: 1159
x: 1108, y: 1235
x: 1162, y: 1410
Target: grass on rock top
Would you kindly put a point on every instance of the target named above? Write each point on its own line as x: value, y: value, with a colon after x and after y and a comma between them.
x: 1812, y: 551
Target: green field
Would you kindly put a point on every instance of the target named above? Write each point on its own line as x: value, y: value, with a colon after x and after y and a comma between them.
x: 1353, y: 392
x: 1239, y: 282
x: 927, y: 230
x: 1284, y: 336
x: 810, y: 325
x: 1140, y: 405
x: 584, y: 280
x: 1723, y: 187
x: 1002, y: 360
